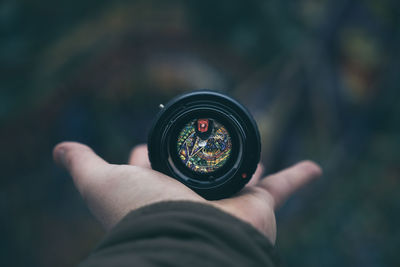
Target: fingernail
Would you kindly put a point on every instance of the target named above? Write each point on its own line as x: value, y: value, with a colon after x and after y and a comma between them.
x: 60, y: 156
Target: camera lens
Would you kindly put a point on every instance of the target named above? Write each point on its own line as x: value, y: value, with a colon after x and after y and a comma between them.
x: 207, y: 141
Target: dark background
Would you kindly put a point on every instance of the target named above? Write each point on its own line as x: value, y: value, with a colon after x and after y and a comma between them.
x: 321, y: 78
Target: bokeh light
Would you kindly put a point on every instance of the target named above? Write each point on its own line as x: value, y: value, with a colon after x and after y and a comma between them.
x: 320, y: 77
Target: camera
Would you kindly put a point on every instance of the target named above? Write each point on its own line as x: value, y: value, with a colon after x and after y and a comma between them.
x: 207, y: 141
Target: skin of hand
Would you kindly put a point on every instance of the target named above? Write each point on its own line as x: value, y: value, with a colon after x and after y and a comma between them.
x: 111, y: 191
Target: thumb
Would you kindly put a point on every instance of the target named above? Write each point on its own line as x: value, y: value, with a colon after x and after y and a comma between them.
x: 80, y: 161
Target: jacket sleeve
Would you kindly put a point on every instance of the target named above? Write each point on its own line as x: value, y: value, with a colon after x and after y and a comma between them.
x: 182, y: 233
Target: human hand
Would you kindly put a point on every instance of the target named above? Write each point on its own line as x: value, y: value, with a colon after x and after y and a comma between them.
x: 111, y: 191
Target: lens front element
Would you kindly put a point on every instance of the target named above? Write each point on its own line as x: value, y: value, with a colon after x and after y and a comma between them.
x: 204, y: 145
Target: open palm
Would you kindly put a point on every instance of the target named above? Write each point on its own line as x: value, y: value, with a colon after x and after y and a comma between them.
x: 112, y: 191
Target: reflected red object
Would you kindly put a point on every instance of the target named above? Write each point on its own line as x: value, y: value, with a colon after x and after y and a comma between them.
x: 202, y: 125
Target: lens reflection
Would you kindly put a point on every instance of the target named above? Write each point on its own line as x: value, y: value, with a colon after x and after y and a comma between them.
x: 204, y: 145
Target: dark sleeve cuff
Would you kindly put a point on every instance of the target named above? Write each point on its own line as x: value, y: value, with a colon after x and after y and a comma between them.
x: 182, y: 233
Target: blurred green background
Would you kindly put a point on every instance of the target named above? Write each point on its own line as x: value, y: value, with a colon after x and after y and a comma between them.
x: 321, y: 78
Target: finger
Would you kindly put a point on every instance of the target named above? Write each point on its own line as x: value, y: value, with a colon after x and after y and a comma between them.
x: 139, y: 156
x: 80, y: 161
x: 257, y: 175
x: 282, y: 184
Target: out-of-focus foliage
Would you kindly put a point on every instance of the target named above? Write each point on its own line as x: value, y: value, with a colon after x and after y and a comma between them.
x: 321, y: 78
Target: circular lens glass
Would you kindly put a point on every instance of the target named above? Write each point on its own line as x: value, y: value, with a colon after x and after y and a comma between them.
x: 204, y: 145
